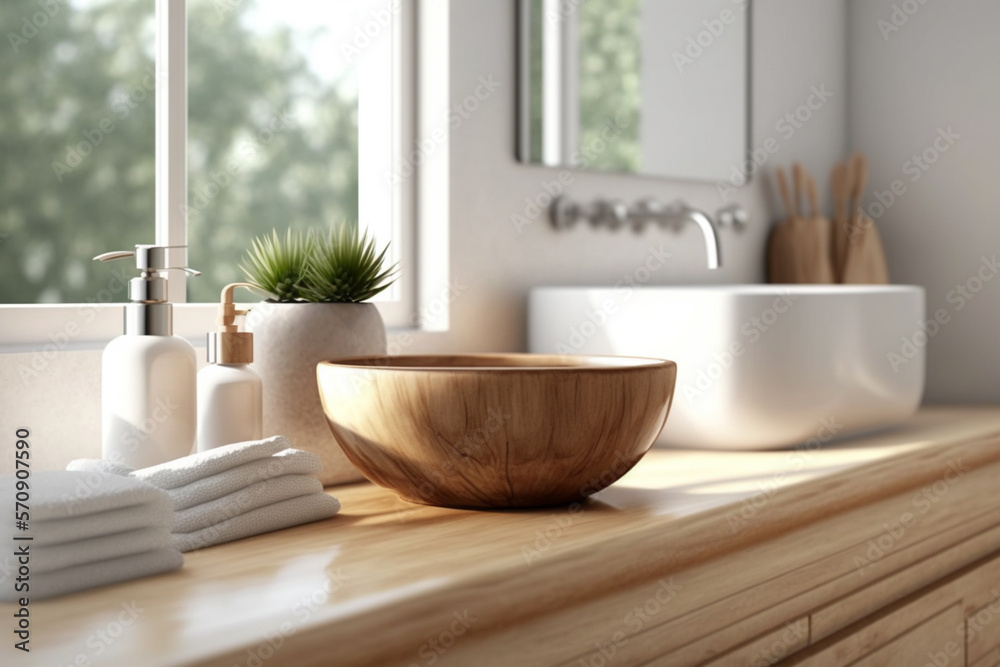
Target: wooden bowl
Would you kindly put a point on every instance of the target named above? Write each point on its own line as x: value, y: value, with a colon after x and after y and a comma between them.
x: 492, y: 431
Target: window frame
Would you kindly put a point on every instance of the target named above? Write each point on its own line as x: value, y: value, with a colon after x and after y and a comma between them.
x: 419, y: 112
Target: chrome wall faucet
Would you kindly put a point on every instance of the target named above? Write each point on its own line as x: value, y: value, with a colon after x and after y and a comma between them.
x: 616, y: 214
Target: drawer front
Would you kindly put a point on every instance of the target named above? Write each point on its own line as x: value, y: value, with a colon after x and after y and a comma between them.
x: 932, y: 643
x: 960, y: 616
x: 765, y: 650
x: 982, y: 632
x: 991, y: 659
x: 881, y: 592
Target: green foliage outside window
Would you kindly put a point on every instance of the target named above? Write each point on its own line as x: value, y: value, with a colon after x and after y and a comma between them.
x: 271, y: 143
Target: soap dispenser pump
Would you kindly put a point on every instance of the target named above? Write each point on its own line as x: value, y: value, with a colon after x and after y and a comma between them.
x: 230, y: 392
x: 148, y: 405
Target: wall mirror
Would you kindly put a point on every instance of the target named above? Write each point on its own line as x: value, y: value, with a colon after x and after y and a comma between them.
x: 652, y: 87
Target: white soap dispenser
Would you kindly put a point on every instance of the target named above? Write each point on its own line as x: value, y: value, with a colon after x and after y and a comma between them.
x: 230, y: 392
x: 148, y: 401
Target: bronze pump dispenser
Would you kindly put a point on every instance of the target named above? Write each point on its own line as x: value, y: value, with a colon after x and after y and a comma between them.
x: 230, y: 391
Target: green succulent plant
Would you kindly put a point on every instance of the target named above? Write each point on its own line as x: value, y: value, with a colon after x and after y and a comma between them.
x: 278, y: 266
x: 346, y: 267
x: 341, y: 267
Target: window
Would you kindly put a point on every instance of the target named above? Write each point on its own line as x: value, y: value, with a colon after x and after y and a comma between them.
x: 77, y: 175
x: 277, y: 91
x: 288, y: 113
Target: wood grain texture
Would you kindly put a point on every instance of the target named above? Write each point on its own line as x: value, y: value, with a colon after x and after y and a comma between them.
x: 799, y: 249
x: 992, y: 659
x: 818, y: 235
x: 933, y: 642
x: 840, y: 179
x: 865, y: 262
x: 901, y: 623
x: 496, y: 431
x: 380, y: 582
x: 799, y: 178
x: 982, y: 628
x: 767, y: 649
x: 848, y: 609
x: 867, y: 638
x: 797, y: 573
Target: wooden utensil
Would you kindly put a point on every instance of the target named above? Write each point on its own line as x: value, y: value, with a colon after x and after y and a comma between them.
x: 812, y: 192
x: 799, y: 250
x: 865, y: 262
x: 816, y: 238
x: 840, y: 183
x: 799, y: 181
x: 780, y: 255
x: 786, y: 197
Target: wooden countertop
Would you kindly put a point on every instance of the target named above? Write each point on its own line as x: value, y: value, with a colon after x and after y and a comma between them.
x: 388, y: 582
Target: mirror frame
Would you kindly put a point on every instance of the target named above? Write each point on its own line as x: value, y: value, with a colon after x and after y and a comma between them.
x: 522, y: 123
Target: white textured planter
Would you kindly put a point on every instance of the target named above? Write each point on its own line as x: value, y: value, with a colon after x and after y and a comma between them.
x: 289, y: 340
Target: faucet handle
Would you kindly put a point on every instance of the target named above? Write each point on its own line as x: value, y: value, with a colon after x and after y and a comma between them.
x: 564, y: 213
x: 734, y: 216
x: 616, y: 213
x: 647, y: 211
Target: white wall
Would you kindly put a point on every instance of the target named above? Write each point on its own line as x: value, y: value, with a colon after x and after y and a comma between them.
x: 941, y: 69
x: 797, y: 44
x: 702, y: 92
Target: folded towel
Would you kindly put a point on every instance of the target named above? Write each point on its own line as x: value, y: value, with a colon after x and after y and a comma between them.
x: 68, y: 506
x: 106, y: 547
x: 87, y: 529
x: 235, y: 491
x: 81, y: 577
x: 100, y: 465
x: 256, y: 495
x: 182, y: 471
x: 284, y: 514
x: 286, y: 462
x: 60, y: 531
x: 58, y: 494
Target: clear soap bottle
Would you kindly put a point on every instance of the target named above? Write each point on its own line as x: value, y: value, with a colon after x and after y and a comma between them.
x: 148, y: 406
x: 230, y: 392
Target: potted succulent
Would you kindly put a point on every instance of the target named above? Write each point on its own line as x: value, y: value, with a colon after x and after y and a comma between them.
x: 316, y: 286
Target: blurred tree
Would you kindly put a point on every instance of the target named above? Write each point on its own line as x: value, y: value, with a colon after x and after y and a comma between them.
x: 270, y: 143
x: 610, y: 83
x: 278, y: 144
x: 76, y: 144
x: 610, y: 86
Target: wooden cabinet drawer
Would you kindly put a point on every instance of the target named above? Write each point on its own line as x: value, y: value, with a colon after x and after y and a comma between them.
x: 960, y: 617
x: 870, y: 635
x: 982, y: 632
x: 934, y: 642
x: 862, y: 603
x: 766, y: 649
x: 880, y: 645
x: 991, y: 659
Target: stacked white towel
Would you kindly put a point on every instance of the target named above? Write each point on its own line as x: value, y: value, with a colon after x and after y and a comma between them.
x: 235, y: 491
x: 86, y: 529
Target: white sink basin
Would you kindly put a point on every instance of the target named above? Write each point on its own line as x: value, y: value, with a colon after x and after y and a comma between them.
x: 759, y: 366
